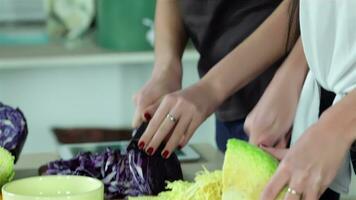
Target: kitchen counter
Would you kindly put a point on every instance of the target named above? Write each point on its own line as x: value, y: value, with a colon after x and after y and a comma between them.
x: 211, y: 158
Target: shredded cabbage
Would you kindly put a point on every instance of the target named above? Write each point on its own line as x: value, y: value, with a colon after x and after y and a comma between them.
x: 206, y: 186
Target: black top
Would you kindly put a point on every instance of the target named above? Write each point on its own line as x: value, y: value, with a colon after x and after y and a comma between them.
x: 216, y: 27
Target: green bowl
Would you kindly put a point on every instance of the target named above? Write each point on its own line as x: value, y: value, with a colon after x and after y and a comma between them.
x: 54, y: 188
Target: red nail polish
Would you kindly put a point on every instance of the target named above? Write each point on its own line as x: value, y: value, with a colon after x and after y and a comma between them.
x: 148, y: 116
x: 165, y: 154
x: 150, y: 151
x: 180, y: 147
x: 141, y: 145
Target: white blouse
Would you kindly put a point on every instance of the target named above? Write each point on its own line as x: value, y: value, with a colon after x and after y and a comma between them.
x: 328, y: 30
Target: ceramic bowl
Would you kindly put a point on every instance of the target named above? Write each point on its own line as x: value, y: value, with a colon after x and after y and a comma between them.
x: 54, y: 188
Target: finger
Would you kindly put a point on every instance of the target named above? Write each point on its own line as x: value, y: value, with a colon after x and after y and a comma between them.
x: 141, y: 105
x: 290, y: 196
x: 313, y: 188
x: 181, y: 142
x: 276, y: 184
x: 279, y: 154
x: 311, y: 193
x: 155, y: 123
x: 247, y: 125
x: 194, y: 124
x: 165, y: 129
x: 296, y: 187
x: 177, y: 135
x: 149, y: 111
x: 137, y: 120
x: 284, y: 142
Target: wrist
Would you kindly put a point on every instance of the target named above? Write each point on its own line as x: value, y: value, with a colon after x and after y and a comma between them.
x: 342, y: 128
x: 213, y: 91
x: 168, y: 71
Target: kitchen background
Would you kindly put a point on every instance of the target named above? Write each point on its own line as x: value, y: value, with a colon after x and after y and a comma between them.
x: 56, y: 67
x: 68, y: 64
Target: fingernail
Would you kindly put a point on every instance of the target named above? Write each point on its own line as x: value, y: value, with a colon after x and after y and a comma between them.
x: 262, y: 146
x: 165, y: 154
x: 150, y: 151
x: 180, y: 147
x: 148, y: 116
x: 141, y: 145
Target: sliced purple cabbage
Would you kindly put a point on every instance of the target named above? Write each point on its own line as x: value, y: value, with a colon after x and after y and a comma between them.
x: 13, y: 129
x: 131, y: 174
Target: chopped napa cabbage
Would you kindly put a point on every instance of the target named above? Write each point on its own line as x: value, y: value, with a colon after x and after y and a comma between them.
x: 246, y: 171
x: 206, y: 186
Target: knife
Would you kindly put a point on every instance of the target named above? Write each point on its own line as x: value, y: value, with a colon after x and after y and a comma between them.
x: 136, y: 135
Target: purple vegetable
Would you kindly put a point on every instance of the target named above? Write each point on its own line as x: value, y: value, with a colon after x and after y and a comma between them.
x: 131, y: 174
x: 13, y: 129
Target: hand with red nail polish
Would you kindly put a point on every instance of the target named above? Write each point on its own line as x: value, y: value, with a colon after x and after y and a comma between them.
x: 148, y: 98
x: 178, y: 116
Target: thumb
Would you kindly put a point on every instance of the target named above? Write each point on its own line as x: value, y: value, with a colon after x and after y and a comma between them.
x: 279, y: 154
x: 137, y: 120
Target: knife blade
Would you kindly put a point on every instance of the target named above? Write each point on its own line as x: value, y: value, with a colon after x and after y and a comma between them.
x: 136, y: 135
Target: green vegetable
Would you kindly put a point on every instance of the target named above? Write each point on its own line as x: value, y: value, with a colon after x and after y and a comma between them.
x: 6, y: 166
x: 206, y: 186
x: 246, y: 171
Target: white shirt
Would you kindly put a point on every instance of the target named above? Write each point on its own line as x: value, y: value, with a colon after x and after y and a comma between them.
x: 328, y: 30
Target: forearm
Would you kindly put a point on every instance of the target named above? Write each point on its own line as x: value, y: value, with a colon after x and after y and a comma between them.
x: 258, y: 52
x: 341, y: 117
x: 290, y: 76
x: 170, y: 38
x: 273, y: 116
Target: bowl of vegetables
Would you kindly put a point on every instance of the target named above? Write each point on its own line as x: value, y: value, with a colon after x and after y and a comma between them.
x: 54, y: 188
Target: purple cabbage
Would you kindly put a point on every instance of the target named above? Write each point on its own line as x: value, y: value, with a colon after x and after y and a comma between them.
x: 13, y: 129
x: 131, y: 174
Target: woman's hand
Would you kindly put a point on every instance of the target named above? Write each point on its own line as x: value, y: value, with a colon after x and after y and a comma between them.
x: 148, y: 98
x: 310, y: 165
x: 270, y: 121
x: 178, y: 116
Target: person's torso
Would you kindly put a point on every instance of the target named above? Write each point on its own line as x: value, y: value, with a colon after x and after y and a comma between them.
x: 216, y: 27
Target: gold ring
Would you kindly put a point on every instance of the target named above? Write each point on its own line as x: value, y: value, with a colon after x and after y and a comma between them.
x: 172, y: 118
x: 293, y: 192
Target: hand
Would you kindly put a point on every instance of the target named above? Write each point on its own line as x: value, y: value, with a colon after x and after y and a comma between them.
x: 148, y: 98
x: 188, y: 108
x: 309, y: 166
x: 269, y: 123
x: 271, y: 120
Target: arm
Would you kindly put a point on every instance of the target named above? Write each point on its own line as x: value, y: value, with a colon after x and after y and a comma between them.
x: 170, y: 37
x: 272, y: 118
x: 313, y: 161
x: 342, y: 117
x: 170, y: 41
x: 191, y: 106
x: 258, y: 52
